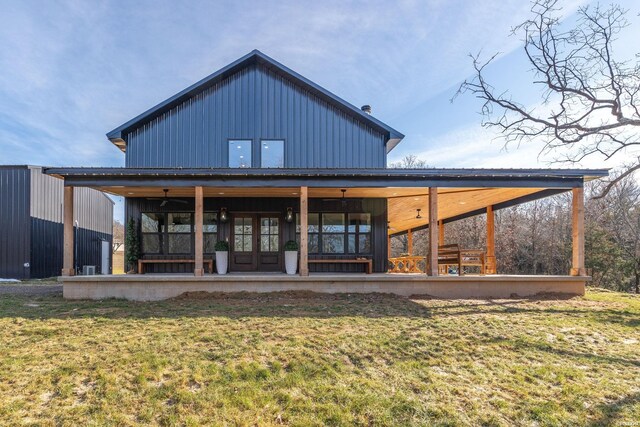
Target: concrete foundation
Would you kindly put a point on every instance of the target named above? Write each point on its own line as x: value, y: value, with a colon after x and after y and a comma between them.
x: 159, y: 287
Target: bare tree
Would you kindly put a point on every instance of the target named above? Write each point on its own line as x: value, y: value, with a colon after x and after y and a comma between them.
x: 118, y: 235
x: 589, y: 100
x: 410, y: 161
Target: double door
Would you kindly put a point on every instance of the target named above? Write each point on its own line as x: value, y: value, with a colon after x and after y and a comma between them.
x: 256, y: 242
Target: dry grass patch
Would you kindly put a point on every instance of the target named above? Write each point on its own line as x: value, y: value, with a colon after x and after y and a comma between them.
x: 305, y: 359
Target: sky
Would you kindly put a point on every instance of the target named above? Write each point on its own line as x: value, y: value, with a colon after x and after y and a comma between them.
x: 73, y: 70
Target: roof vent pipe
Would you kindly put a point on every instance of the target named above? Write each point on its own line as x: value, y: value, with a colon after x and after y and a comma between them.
x: 366, y: 109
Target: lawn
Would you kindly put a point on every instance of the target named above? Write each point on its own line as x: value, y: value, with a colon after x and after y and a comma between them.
x: 305, y: 359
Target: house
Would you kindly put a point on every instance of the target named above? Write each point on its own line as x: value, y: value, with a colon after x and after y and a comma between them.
x: 257, y: 155
x: 31, y: 243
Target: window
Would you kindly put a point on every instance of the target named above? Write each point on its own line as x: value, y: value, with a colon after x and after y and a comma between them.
x: 269, y: 235
x: 167, y: 233
x: 152, y: 226
x: 330, y: 234
x: 240, y: 153
x: 272, y: 154
x: 243, y: 234
x: 313, y: 228
x: 359, y: 232
x: 333, y: 233
x: 210, y: 231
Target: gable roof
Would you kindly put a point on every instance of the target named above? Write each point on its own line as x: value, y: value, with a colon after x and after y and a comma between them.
x: 393, y: 137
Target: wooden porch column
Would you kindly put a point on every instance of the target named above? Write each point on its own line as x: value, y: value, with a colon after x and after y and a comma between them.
x: 410, y: 242
x: 198, y: 226
x: 441, y: 232
x: 492, y: 268
x: 68, y: 246
x: 577, y: 265
x: 432, y: 270
x: 304, y: 231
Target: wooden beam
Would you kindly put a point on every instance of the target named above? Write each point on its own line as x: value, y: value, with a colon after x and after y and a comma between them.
x: 577, y: 265
x: 410, y: 242
x: 304, y: 231
x: 68, y: 268
x: 441, y: 232
x: 491, y: 241
x: 199, y: 240
x: 432, y: 269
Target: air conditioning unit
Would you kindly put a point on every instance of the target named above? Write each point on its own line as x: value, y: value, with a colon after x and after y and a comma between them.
x: 88, y: 270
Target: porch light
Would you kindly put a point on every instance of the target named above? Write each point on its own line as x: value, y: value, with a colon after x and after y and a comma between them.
x: 418, y: 216
x: 223, y: 215
x: 289, y: 215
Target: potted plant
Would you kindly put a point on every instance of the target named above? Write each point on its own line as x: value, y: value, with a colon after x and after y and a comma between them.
x: 291, y: 257
x: 222, y: 258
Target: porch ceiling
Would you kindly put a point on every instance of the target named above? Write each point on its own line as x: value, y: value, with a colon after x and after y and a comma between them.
x: 452, y: 203
x: 402, y: 202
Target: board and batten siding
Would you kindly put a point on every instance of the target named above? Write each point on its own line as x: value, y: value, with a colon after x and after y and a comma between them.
x: 255, y: 103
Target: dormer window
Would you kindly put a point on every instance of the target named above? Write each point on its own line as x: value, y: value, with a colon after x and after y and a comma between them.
x: 272, y: 153
x: 240, y: 153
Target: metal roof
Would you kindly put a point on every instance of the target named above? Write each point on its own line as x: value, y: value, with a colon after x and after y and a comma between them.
x: 255, y: 57
x: 547, y: 178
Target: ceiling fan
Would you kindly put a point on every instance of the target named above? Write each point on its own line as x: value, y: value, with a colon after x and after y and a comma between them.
x: 342, y: 200
x: 166, y: 199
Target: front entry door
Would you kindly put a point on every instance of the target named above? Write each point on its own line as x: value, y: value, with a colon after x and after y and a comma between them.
x: 243, y: 243
x: 269, y: 258
x: 255, y: 242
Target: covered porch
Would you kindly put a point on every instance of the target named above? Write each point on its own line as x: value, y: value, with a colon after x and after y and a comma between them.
x: 335, y: 216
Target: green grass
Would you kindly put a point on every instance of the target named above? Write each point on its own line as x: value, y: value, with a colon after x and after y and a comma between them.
x: 297, y: 359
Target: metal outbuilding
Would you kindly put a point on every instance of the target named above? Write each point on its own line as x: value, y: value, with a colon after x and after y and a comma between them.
x: 31, y: 231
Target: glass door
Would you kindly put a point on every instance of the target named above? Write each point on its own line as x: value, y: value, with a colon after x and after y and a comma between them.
x: 269, y: 256
x: 243, y: 243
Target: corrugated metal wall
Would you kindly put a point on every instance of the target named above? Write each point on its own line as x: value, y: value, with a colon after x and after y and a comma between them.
x: 14, y: 222
x: 255, y: 103
x: 92, y: 210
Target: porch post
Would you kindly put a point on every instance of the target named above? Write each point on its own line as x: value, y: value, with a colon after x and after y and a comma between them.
x: 432, y: 270
x: 410, y: 242
x: 199, y: 241
x: 441, y: 232
x: 304, y: 231
x: 577, y: 265
x: 68, y: 245
x: 492, y: 268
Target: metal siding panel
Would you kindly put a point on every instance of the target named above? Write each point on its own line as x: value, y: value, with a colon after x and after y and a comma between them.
x: 14, y: 222
x: 255, y: 103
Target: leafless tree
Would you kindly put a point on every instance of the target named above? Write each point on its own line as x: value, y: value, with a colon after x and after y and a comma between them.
x: 118, y: 235
x: 410, y: 161
x: 589, y: 102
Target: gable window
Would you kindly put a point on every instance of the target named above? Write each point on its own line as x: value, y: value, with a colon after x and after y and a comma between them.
x: 272, y: 153
x: 240, y: 153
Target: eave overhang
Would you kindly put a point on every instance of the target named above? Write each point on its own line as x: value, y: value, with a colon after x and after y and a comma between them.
x: 365, y: 178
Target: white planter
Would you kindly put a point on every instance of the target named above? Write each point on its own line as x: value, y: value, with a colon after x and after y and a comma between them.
x: 291, y: 261
x: 222, y: 262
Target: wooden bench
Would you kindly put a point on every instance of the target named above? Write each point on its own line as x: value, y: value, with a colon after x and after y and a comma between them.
x: 368, y: 263
x: 142, y: 262
x: 453, y: 255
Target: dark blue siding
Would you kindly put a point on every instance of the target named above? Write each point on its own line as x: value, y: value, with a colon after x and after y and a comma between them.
x: 255, y: 104
x: 14, y: 222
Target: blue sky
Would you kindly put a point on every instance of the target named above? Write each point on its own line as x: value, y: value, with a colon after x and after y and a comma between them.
x: 73, y: 70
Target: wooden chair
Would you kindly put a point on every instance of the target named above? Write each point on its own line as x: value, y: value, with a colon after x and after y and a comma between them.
x: 452, y: 255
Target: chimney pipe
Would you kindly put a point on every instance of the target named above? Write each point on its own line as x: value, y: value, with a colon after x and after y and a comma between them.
x: 366, y: 109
